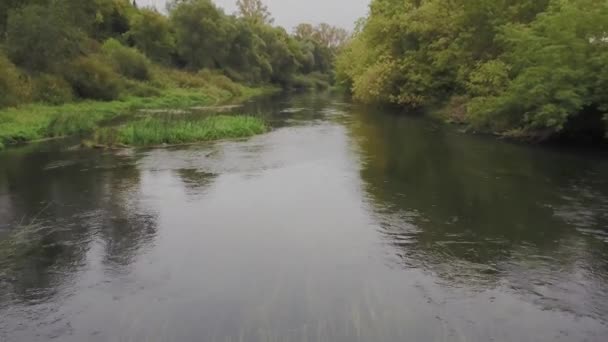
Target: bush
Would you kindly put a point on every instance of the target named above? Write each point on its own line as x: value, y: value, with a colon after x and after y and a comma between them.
x: 92, y: 79
x: 37, y: 37
x: 52, y: 89
x: 222, y: 82
x: 489, y: 79
x: 141, y: 89
x: 127, y: 61
x: 13, y: 86
x: 312, y: 81
x: 376, y: 83
x: 178, y: 78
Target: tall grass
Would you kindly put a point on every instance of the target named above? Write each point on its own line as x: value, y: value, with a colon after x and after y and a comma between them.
x: 156, y: 131
x: 39, y: 121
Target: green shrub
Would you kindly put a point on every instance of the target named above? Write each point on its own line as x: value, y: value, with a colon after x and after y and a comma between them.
x: 127, y: 61
x: 141, y: 89
x: 38, y: 38
x: 14, y: 88
x: 312, y: 81
x: 92, y: 79
x: 489, y: 79
x: 52, y: 89
x: 178, y: 78
x: 222, y: 82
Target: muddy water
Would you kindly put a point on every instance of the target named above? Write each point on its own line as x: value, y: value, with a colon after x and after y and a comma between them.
x: 341, y: 224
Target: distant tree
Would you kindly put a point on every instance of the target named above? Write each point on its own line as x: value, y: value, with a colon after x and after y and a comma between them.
x: 38, y: 38
x: 202, y: 32
x: 330, y: 36
x: 324, y: 34
x: 304, y: 31
x: 254, y: 10
x: 151, y: 33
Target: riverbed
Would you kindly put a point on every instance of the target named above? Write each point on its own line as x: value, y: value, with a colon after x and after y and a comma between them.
x: 343, y: 223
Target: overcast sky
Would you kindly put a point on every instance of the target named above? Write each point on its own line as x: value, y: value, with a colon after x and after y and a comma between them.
x: 289, y: 13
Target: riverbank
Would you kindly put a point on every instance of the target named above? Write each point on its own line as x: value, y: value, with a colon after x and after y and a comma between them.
x: 41, y: 121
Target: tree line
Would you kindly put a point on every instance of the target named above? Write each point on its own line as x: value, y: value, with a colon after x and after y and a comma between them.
x: 525, y: 68
x: 60, y: 50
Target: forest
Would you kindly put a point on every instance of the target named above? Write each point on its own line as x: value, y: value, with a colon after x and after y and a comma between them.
x: 72, y: 52
x: 533, y: 70
x: 530, y: 70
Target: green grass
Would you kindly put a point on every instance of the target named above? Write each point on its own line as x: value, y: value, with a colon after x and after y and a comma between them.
x: 156, y: 131
x: 39, y: 121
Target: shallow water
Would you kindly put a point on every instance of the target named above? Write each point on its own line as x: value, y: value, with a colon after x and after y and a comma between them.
x: 341, y: 224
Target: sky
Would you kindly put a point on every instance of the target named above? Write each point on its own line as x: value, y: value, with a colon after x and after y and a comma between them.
x: 289, y: 13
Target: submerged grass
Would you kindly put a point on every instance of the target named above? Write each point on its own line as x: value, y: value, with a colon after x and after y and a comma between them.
x: 156, y: 131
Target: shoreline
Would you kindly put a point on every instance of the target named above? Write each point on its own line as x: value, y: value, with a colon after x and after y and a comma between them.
x: 33, y: 123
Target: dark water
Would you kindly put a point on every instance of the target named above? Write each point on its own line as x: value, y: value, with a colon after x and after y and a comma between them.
x: 342, y: 224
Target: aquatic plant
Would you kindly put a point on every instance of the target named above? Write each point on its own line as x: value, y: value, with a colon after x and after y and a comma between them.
x: 156, y: 131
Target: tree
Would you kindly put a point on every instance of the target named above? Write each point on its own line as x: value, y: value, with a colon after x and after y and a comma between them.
x: 518, y: 65
x: 255, y: 11
x: 330, y: 36
x: 247, y: 55
x: 304, y: 31
x: 324, y: 34
x: 39, y: 38
x: 201, y: 32
x: 556, y: 66
x: 151, y: 33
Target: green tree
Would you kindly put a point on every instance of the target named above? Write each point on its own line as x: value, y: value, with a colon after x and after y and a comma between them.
x: 201, y: 32
x: 39, y: 38
x: 556, y: 63
x: 255, y: 11
x: 151, y: 33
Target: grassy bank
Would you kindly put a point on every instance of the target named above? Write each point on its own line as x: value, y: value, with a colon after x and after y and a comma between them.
x: 40, y: 121
x: 156, y: 131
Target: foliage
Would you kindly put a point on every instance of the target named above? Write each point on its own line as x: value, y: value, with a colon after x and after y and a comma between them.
x: 38, y: 38
x: 151, y: 33
x: 61, y: 51
x: 222, y: 82
x: 126, y: 61
x: 312, y: 81
x: 92, y: 79
x: 254, y: 11
x: 155, y: 131
x: 13, y: 90
x: 201, y: 33
x: 52, y: 89
x: 523, y: 65
x: 323, y: 34
x: 552, y: 79
x: 112, y: 17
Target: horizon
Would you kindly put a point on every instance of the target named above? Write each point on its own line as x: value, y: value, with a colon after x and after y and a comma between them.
x: 290, y: 13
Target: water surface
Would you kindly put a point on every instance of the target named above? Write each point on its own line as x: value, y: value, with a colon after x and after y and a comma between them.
x: 341, y: 224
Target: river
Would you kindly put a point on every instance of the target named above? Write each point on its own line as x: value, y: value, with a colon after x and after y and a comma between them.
x: 341, y: 224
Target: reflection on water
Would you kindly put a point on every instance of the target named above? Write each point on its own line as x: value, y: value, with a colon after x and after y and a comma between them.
x: 342, y: 224
x: 478, y: 213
